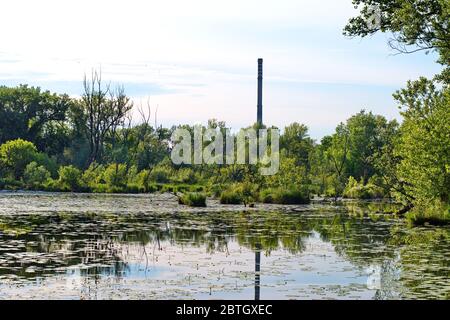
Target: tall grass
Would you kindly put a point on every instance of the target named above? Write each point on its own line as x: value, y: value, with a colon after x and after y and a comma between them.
x: 284, y: 196
x: 193, y: 199
x: 231, y: 197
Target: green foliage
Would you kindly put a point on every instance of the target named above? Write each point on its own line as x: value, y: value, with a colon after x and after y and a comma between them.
x: 423, y: 147
x: 34, y: 115
x: 187, y: 175
x: 35, y: 175
x: 289, y: 173
x: 93, y: 175
x: 355, y: 190
x: 70, y: 178
x: 239, y: 193
x: 143, y: 180
x: 297, y: 143
x: 231, y: 196
x: 115, y: 175
x: 284, y: 196
x: 416, y: 24
x: 160, y: 174
x: 193, y: 199
x: 430, y: 212
x: 16, y: 154
x: 49, y: 163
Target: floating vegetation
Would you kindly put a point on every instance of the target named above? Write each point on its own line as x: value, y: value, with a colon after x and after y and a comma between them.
x: 150, y: 247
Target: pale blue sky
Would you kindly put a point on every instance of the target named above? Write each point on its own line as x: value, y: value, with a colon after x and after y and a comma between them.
x: 197, y: 59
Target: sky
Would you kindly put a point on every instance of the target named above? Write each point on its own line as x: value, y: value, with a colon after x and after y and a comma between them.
x: 197, y: 60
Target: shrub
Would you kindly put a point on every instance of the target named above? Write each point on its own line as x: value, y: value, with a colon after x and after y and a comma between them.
x: 231, y: 197
x: 116, y: 176
x: 93, y: 175
x: 160, y: 174
x: 10, y: 184
x: 266, y: 196
x: 70, y: 178
x: 239, y: 193
x: 216, y: 189
x: 355, y: 190
x: 187, y: 175
x: 51, y: 185
x: 284, y: 196
x: 16, y: 154
x: 35, y: 175
x: 48, y: 163
x: 193, y: 199
x: 143, y: 180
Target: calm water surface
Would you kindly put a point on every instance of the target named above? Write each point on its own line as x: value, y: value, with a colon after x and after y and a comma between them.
x: 79, y: 246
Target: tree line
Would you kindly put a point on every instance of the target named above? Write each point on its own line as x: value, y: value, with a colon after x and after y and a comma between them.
x: 92, y: 143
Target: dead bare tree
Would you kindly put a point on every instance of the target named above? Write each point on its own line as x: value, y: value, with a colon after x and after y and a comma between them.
x: 105, y: 110
x: 145, y: 119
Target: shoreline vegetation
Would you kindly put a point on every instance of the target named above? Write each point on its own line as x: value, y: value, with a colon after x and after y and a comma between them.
x: 368, y: 157
x: 91, y: 143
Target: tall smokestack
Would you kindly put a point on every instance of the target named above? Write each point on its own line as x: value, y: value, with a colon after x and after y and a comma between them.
x: 260, y: 79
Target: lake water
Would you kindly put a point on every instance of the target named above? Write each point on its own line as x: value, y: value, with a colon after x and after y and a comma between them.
x: 80, y: 246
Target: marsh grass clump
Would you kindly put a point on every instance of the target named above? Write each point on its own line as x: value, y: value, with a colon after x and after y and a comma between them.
x: 231, y: 197
x: 193, y: 199
x: 239, y: 193
x: 284, y: 196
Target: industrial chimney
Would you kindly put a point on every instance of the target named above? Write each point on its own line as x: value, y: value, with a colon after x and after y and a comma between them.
x: 260, y: 78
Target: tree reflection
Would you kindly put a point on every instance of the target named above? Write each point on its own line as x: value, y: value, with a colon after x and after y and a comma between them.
x: 98, y: 244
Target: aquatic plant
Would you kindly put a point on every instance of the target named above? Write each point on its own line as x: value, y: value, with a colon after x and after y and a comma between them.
x: 193, y: 199
x: 284, y: 196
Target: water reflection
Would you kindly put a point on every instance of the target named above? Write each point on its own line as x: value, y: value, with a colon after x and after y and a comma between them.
x: 257, y: 271
x: 317, y: 251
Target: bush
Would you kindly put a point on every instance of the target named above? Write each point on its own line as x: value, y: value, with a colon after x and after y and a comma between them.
x: 193, y: 199
x: 16, y: 154
x: 216, y: 189
x: 231, y: 197
x: 284, y: 196
x: 116, y: 176
x: 187, y: 175
x: 143, y: 180
x: 160, y: 174
x: 267, y: 196
x: 51, y: 185
x: 70, y: 178
x: 10, y: 184
x: 239, y: 193
x: 48, y: 163
x: 355, y: 190
x: 35, y: 175
x: 93, y: 175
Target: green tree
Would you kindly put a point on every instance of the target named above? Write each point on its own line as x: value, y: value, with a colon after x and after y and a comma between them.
x: 35, y: 175
x: 70, y: 178
x: 366, y: 137
x: 415, y: 25
x: 34, y: 115
x: 116, y: 175
x: 297, y: 143
x: 423, y: 147
x: 16, y: 154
